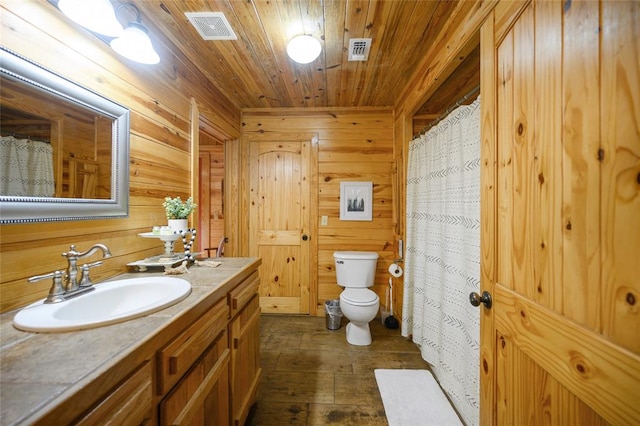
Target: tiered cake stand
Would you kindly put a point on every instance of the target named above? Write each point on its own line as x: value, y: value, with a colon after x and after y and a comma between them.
x: 168, y: 258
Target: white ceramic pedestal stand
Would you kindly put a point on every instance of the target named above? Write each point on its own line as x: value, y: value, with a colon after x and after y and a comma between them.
x: 168, y: 239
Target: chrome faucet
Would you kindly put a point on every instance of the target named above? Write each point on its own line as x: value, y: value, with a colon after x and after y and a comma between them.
x: 71, y: 278
x: 62, y: 291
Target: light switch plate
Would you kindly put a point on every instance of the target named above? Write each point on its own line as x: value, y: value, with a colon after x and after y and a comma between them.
x: 324, y: 220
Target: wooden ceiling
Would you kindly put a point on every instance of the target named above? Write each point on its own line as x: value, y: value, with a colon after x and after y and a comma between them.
x: 255, y: 72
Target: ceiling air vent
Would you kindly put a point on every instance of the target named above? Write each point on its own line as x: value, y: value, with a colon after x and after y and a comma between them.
x: 359, y: 49
x: 211, y: 25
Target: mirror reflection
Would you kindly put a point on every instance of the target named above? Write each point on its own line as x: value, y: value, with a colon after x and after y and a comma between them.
x: 51, y: 147
x: 64, y: 149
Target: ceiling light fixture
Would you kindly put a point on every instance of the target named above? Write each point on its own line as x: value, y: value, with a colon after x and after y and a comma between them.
x: 304, y: 49
x: 95, y: 15
x: 134, y: 43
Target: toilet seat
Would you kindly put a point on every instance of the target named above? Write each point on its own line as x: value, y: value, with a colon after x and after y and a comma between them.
x: 359, y: 296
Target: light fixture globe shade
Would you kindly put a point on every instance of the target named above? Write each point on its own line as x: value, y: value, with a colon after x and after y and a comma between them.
x: 303, y: 49
x: 95, y: 15
x: 134, y: 44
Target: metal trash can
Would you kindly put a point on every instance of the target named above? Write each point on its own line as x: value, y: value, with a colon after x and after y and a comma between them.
x: 334, y: 314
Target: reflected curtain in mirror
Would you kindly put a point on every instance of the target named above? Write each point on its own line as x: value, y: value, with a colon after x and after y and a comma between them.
x: 27, y: 168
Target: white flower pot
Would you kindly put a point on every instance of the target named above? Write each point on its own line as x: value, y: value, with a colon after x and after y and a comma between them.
x: 178, y: 225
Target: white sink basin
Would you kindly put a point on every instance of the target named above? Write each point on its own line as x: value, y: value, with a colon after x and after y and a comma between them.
x: 109, y: 303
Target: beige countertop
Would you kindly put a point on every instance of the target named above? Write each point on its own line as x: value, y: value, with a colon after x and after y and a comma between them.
x: 41, y: 371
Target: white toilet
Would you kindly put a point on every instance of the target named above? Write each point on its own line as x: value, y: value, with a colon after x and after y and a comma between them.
x: 356, y: 271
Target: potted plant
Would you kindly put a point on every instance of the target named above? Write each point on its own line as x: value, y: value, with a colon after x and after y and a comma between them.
x: 177, y: 212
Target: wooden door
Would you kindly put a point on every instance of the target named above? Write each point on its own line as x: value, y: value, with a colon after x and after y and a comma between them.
x: 279, y: 222
x: 204, y: 204
x: 211, y: 198
x: 561, y: 213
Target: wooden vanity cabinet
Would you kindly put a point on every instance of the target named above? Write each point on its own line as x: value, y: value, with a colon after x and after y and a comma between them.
x: 195, y: 364
x: 244, y: 342
x: 209, y: 373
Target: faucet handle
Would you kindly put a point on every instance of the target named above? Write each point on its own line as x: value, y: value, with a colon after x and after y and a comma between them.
x: 86, y: 279
x: 54, y: 275
x: 56, y: 291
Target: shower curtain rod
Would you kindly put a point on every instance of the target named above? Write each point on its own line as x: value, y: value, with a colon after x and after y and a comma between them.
x: 451, y: 108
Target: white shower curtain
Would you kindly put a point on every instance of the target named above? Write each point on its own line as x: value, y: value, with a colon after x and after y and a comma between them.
x: 26, y: 168
x: 442, y: 263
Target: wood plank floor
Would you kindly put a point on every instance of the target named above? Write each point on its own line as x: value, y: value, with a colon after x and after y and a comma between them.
x: 312, y: 376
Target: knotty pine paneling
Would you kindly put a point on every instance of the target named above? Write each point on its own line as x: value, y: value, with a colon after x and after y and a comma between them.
x: 460, y: 83
x: 620, y: 188
x: 159, y: 99
x: 581, y: 243
x: 353, y: 145
x: 543, y: 393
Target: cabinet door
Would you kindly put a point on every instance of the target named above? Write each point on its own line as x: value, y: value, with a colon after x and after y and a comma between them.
x: 245, y: 359
x: 180, y: 354
x: 201, y: 397
x: 129, y: 404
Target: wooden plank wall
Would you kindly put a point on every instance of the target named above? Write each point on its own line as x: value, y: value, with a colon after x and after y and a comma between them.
x: 159, y: 98
x: 353, y: 145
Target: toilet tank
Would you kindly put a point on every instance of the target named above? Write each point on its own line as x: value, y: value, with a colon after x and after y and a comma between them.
x: 355, y: 268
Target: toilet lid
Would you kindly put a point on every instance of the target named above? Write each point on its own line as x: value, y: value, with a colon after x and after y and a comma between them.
x: 359, y: 296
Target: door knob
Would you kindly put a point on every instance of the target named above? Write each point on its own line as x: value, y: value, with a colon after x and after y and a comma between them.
x: 305, y: 237
x: 485, y: 299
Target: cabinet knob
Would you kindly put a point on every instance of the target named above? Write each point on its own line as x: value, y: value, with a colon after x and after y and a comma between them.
x: 305, y: 237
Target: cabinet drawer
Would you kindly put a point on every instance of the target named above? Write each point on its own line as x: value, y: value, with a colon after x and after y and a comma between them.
x: 201, y: 397
x: 130, y: 403
x: 177, y: 357
x: 240, y: 295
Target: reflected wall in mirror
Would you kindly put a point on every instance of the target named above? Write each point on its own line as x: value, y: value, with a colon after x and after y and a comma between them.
x: 63, y: 148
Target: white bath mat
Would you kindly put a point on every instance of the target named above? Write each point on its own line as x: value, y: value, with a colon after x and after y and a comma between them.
x: 414, y: 398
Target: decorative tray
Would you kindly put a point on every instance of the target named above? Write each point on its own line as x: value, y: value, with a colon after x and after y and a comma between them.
x: 159, y: 261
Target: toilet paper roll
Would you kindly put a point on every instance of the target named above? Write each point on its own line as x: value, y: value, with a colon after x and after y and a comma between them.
x: 395, y: 270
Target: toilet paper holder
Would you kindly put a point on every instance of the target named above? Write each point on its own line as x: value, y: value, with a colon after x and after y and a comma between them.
x: 395, y: 270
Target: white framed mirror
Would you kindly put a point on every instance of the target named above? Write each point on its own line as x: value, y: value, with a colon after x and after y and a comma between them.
x: 64, y: 149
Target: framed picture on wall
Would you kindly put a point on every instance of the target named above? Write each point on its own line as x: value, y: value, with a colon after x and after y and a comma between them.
x: 356, y: 200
